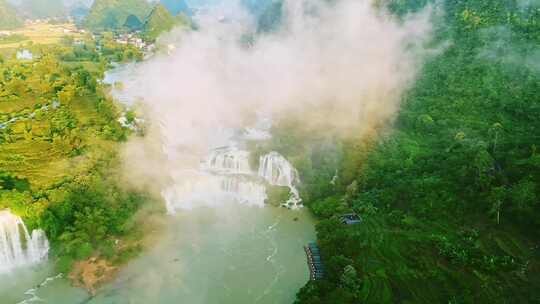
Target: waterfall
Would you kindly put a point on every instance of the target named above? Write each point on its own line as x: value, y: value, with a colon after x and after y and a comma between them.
x: 17, y: 246
x: 245, y: 192
x: 225, y: 176
x: 225, y: 173
x: 278, y: 171
x: 196, y: 189
x: 228, y: 160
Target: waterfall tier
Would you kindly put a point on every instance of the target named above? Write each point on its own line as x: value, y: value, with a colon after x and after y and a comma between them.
x: 225, y: 174
x: 17, y: 246
x: 213, y: 190
x: 228, y: 160
x: 278, y: 171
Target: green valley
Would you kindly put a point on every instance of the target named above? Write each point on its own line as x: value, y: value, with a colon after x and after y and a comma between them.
x: 317, y: 151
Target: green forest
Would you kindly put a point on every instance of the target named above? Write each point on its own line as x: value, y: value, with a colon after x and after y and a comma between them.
x: 449, y: 195
x: 61, y: 135
x: 58, y: 148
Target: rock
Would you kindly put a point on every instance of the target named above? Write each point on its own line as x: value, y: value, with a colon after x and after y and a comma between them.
x: 91, y: 274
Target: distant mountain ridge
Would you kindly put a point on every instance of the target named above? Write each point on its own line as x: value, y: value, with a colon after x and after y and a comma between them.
x: 160, y: 20
x: 8, y: 17
x: 176, y: 7
x: 43, y: 8
x: 112, y: 14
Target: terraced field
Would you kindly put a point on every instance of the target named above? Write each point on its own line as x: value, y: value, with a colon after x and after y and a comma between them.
x: 41, y: 33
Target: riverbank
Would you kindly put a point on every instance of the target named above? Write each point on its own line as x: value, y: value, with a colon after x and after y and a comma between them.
x: 99, y: 270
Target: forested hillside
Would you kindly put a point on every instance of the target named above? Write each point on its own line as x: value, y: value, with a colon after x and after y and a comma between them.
x: 112, y: 14
x: 176, y: 7
x: 449, y: 195
x: 159, y: 21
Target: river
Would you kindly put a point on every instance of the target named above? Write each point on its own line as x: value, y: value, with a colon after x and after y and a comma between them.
x: 231, y: 251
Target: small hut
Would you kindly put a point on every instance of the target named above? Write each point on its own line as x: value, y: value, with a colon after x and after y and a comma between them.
x: 351, y: 219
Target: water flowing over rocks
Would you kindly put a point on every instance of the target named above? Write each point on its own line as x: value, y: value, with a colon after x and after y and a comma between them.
x: 278, y: 171
x: 18, y: 247
x: 198, y: 189
x: 225, y: 175
x: 228, y: 160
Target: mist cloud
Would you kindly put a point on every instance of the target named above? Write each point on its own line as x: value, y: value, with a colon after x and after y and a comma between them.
x: 343, y: 66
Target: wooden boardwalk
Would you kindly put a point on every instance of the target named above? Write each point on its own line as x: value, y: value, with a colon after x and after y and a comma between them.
x: 316, y: 267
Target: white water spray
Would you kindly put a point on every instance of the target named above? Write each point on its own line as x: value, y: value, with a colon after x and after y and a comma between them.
x: 192, y: 189
x: 278, y: 171
x: 225, y: 176
x: 229, y: 161
x: 17, y: 246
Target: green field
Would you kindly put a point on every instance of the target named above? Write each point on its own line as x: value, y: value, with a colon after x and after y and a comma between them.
x: 40, y: 33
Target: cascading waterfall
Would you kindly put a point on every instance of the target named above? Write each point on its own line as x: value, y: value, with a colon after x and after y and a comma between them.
x: 245, y: 192
x: 201, y: 189
x: 278, y: 171
x: 228, y: 160
x: 225, y: 174
x: 17, y: 246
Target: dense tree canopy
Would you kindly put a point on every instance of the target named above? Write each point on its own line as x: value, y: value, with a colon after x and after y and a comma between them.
x: 449, y: 198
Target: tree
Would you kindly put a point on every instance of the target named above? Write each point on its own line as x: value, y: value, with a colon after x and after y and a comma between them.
x: 67, y: 94
x: 523, y: 195
x: 350, y: 280
x: 497, y: 197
